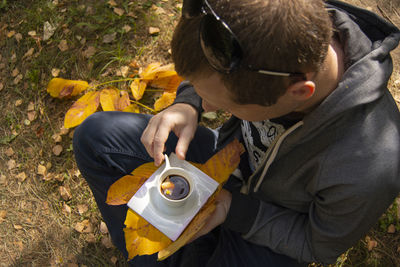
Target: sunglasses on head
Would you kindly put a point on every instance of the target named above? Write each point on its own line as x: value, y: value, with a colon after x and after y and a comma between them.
x: 220, y: 45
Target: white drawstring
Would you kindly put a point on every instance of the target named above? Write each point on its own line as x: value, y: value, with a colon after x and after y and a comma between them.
x: 275, y: 152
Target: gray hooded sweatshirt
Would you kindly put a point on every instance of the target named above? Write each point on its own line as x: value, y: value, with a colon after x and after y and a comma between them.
x: 326, y: 181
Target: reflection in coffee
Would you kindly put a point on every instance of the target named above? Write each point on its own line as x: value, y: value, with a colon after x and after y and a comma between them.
x: 175, y: 187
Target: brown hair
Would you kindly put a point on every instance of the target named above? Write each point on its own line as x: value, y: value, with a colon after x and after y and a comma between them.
x: 280, y: 35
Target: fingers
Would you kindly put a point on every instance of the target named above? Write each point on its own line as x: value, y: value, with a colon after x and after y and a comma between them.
x: 148, y: 135
x: 179, y: 118
x: 185, y: 137
x: 154, y: 137
x: 160, y: 137
x: 223, y: 203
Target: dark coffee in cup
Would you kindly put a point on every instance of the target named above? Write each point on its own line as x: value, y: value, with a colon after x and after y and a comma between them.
x: 175, y: 187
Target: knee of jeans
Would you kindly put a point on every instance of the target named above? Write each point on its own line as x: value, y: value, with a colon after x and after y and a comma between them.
x: 91, y: 127
x: 109, y: 129
x: 92, y: 132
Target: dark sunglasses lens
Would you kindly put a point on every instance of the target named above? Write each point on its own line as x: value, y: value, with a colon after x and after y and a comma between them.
x: 219, y: 45
x: 191, y: 8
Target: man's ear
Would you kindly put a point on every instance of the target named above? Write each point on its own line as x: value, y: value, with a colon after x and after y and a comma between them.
x: 301, y: 90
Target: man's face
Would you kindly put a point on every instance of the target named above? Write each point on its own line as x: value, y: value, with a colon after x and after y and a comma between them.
x: 216, y: 96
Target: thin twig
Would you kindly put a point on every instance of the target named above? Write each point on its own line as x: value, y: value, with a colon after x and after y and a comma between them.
x: 113, y: 81
x: 142, y: 105
x: 155, y: 90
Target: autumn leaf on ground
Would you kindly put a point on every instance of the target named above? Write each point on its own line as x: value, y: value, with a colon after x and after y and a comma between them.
x: 9, y: 152
x: 109, y: 99
x: 138, y: 86
x: 21, y: 177
x: 41, y: 170
x: 109, y: 38
x: 18, y: 102
x: 112, y: 99
x: 124, y: 102
x: 84, y: 227
x: 11, y: 164
x: 168, y: 83
x: 164, y: 101
x: 132, y: 108
x: 57, y: 149
x: 119, y: 11
x: 63, y: 46
x: 29, y: 53
x: 66, y: 210
x: 64, y: 193
x: 112, y: 3
x: 106, y: 241
x: 103, y: 228
x: 89, y: 52
x: 18, y: 37
x: 81, y: 109
x: 55, y: 72
x: 371, y: 244
x: 141, y: 237
x: 62, y: 88
x: 154, y: 30
x: 138, y: 230
x: 48, y: 30
x: 155, y: 71
x: 149, y: 72
x: 3, y: 215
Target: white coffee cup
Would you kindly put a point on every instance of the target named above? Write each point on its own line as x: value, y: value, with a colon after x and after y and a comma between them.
x: 168, y: 171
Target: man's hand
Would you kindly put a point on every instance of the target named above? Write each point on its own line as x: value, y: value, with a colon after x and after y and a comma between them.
x: 223, y: 203
x: 179, y: 118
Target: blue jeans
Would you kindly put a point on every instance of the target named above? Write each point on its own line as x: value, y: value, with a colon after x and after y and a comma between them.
x: 107, y: 146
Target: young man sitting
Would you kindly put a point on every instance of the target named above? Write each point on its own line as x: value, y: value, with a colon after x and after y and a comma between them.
x: 305, y: 82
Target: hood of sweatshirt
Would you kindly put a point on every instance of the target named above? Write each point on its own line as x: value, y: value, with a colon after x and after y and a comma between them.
x: 367, y: 41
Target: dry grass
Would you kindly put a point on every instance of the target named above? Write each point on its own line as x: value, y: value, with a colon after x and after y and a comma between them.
x: 38, y: 222
x: 38, y: 226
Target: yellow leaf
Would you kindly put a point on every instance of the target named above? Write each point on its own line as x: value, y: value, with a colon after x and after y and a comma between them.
x: 109, y: 99
x: 132, y: 108
x: 124, y: 101
x: 148, y: 73
x: 138, y: 86
x: 112, y: 99
x: 169, y: 83
x: 221, y: 165
x: 164, y: 101
x: 81, y: 109
x: 123, y: 189
x: 141, y: 237
x: 194, y: 226
x: 63, y: 88
x: 156, y: 71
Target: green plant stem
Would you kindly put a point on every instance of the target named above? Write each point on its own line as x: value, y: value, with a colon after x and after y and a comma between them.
x: 113, y: 81
x: 142, y: 105
x: 154, y: 90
